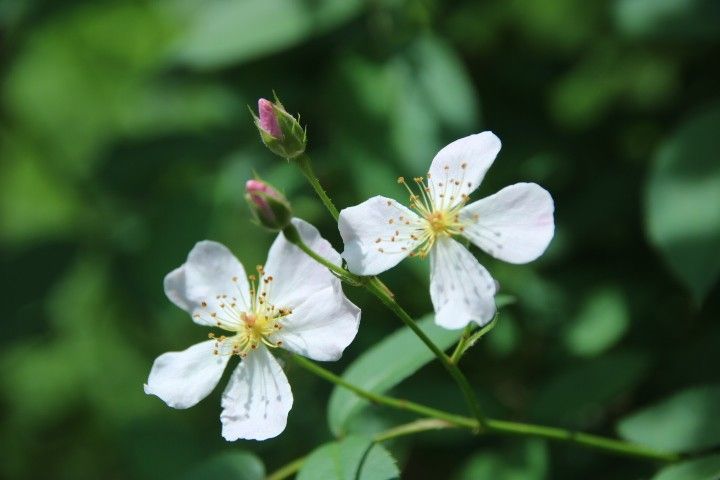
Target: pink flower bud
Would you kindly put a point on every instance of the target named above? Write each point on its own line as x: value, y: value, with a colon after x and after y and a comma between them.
x: 270, y: 207
x: 268, y: 118
x: 258, y: 186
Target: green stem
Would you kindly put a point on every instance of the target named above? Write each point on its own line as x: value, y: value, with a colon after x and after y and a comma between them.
x: 499, y: 427
x: 477, y: 425
x: 376, y: 287
x: 305, y: 164
x: 460, y: 347
x: 417, y: 426
x: 596, y: 442
x: 288, y: 470
x: 469, y: 338
x: 293, y: 236
x: 392, y: 402
x: 411, y: 428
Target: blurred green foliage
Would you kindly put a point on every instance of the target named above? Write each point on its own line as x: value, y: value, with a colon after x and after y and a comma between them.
x: 124, y: 139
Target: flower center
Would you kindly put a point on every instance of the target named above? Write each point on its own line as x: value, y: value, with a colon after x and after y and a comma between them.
x: 439, y: 218
x: 250, y: 325
x: 438, y: 203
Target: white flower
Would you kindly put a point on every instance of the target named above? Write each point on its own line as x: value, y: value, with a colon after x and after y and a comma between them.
x: 294, y: 303
x: 515, y: 224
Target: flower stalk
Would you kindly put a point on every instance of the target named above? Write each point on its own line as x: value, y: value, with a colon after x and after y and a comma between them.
x: 377, y: 288
x: 493, y: 426
x: 305, y: 165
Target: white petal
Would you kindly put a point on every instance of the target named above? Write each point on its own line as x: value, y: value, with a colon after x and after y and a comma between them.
x: 377, y: 234
x: 460, y: 288
x: 322, y: 326
x: 459, y: 167
x: 257, y: 399
x: 208, y: 272
x: 182, y: 379
x: 515, y: 224
x: 296, y: 276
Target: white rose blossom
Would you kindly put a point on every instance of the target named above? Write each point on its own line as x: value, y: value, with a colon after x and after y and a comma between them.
x: 293, y: 303
x: 515, y: 225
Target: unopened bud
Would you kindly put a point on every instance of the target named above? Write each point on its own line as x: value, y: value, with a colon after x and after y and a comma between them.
x: 268, y: 121
x: 280, y: 131
x: 270, y: 207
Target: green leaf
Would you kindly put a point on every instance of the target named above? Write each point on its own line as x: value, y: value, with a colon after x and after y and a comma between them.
x: 687, y: 421
x: 353, y: 458
x: 433, y: 90
x: 237, y: 465
x: 523, y: 461
x: 34, y: 203
x: 669, y: 19
x: 683, y: 218
x: 603, y: 379
x: 381, y: 368
x: 706, y: 468
x: 446, y: 83
x: 601, y: 323
x: 226, y: 32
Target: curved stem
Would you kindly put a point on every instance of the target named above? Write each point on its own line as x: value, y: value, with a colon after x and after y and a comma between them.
x: 376, y: 287
x: 469, y: 337
x: 460, y: 347
x: 293, y: 236
x: 596, y: 442
x: 303, y: 161
x: 417, y: 426
x: 396, y: 403
x: 499, y: 427
x: 477, y: 425
x: 287, y: 470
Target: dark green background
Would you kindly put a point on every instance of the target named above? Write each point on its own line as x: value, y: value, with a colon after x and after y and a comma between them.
x: 125, y: 138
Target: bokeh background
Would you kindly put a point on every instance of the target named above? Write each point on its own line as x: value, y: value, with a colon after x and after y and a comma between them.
x: 125, y: 138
